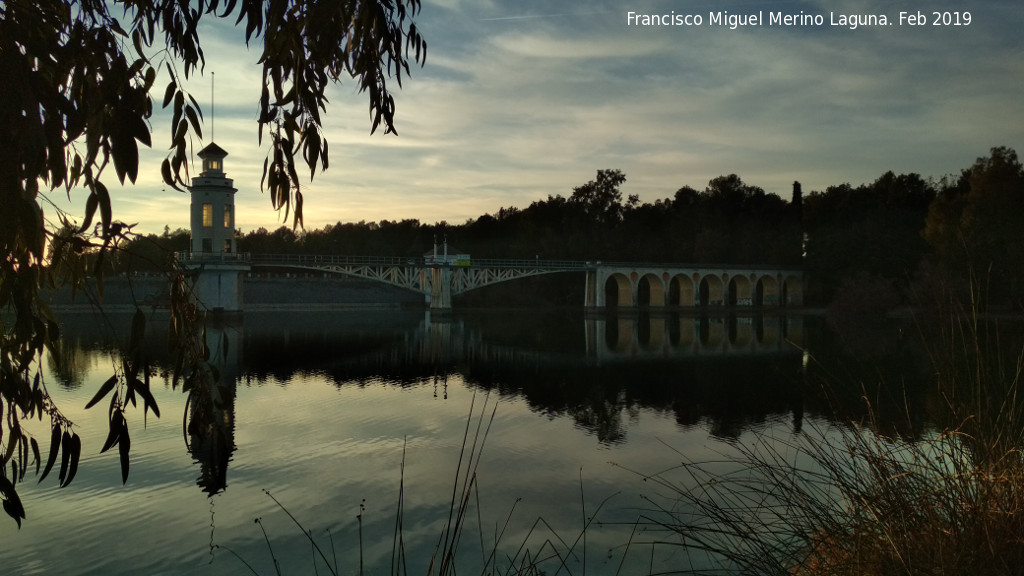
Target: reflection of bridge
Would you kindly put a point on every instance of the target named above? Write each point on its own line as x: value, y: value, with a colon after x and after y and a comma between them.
x: 471, y: 345
x: 664, y: 336
x: 622, y: 285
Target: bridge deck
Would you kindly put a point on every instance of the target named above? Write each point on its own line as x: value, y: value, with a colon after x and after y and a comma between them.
x: 318, y: 260
x: 438, y: 279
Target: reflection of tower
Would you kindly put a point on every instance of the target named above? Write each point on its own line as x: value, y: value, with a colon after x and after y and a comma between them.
x: 218, y: 285
x: 211, y: 424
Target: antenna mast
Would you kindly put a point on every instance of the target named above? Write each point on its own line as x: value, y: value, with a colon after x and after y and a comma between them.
x: 213, y: 126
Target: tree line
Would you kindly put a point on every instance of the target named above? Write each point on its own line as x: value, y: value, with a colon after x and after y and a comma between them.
x: 897, y: 237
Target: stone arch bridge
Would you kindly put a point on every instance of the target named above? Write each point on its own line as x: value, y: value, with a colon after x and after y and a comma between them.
x: 681, y: 285
x: 607, y: 285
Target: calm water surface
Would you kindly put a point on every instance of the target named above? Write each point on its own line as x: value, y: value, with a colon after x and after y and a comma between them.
x: 327, y: 405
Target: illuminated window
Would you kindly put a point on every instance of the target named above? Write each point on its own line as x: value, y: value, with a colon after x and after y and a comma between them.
x: 213, y: 165
x: 227, y: 246
x: 207, y: 215
x: 227, y: 215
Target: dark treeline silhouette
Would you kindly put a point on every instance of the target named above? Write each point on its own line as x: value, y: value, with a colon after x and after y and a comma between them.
x: 877, y: 244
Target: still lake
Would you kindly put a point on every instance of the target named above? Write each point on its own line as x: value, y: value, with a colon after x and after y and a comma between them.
x: 344, y: 415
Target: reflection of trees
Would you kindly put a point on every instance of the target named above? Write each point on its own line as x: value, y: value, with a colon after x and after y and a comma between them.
x: 543, y: 360
x: 884, y: 368
x: 729, y: 394
x: 209, y: 423
x: 68, y: 362
x: 602, y: 418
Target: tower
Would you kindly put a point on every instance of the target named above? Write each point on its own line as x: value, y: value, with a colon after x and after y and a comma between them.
x: 213, y: 206
x: 214, y: 257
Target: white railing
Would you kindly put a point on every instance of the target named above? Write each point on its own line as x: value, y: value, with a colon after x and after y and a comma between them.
x: 213, y: 256
x: 318, y: 260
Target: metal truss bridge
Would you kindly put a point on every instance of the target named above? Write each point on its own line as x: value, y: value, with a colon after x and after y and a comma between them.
x: 438, y: 280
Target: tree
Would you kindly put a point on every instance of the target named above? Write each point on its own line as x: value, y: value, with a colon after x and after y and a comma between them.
x: 77, y: 97
x: 601, y: 198
x: 974, y: 225
x: 873, y: 228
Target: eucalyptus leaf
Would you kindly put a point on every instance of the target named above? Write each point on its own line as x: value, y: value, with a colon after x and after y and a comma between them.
x: 124, y: 446
x: 76, y: 454
x: 103, y: 391
x: 54, y: 450
x: 65, y: 459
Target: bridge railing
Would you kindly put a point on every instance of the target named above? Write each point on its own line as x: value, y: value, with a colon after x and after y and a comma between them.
x: 331, y: 260
x: 318, y: 260
x: 534, y: 263
x: 212, y: 257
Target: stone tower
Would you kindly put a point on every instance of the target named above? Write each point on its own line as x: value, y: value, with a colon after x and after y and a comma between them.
x: 213, y: 206
x: 214, y: 257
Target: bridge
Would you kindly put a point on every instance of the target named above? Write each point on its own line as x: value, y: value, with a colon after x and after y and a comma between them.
x: 217, y: 266
x: 621, y: 285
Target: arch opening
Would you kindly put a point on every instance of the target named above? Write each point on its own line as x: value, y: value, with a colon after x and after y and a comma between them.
x: 739, y: 292
x: 711, y: 291
x: 681, y: 292
x: 766, y: 292
x: 617, y: 292
x: 650, y: 291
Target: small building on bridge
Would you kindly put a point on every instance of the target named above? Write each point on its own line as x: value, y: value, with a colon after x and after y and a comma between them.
x: 448, y: 256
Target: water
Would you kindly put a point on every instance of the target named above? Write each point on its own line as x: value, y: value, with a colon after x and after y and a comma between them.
x: 336, y: 414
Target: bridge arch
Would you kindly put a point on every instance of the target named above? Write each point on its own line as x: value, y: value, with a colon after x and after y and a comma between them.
x: 618, y: 291
x: 739, y: 291
x: 650, y: 291
x: 711, y: 291
x: 680, y: 291
x: 766, y: 291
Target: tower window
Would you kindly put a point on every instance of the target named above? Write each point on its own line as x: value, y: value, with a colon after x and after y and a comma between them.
x: 227, y: 215
x: 207, y: 215
x: 213, y: 164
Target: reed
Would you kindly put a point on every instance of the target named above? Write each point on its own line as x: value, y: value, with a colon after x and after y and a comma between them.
x: 847, y: 499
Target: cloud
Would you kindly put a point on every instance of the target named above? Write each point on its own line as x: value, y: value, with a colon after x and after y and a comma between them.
x: 519, y: 101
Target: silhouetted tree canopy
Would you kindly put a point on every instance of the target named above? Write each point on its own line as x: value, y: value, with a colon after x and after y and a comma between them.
x: 975, y: 224
x: 79, y: 82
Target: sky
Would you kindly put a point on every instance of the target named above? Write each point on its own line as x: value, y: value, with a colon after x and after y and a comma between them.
x: 522, y: 99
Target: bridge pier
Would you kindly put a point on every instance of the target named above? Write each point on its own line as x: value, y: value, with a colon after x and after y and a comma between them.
x: 217, y: 286
x: 439, y: 298
x: 592, y: 297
